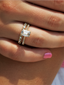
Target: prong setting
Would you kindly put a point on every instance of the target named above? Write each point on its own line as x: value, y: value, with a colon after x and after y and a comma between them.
x: 24, y: 33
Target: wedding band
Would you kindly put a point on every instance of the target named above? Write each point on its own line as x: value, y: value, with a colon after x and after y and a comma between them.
x: 24, y: 33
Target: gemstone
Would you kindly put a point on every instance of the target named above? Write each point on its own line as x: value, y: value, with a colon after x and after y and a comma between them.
x: 25, y: 33
x: 24, y: 27
x: 19, y: 42
x: 20, y: 38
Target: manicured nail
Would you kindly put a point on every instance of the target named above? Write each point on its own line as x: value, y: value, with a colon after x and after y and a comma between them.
x: 47, y: 55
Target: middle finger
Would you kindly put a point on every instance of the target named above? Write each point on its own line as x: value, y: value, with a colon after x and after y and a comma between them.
x: 37, y: 16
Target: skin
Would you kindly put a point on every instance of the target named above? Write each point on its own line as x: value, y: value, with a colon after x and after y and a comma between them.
x: 13, y: 14
x: 40, y: 73
x: 43, y: 72
x: 52, y: 4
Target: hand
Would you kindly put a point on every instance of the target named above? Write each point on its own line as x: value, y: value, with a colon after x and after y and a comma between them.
x: 12, y: 13
x: 40, y: 73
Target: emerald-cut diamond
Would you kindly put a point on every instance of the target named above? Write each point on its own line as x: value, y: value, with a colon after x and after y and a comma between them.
x: 25, y: 33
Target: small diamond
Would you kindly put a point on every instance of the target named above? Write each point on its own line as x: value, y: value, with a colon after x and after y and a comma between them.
x: 20, y: 38
x: 25, y: 33
x: 24, y: 26
x: 19, y: 42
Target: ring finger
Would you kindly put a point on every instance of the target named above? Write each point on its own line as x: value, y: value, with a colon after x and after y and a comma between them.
x: 38, y: 37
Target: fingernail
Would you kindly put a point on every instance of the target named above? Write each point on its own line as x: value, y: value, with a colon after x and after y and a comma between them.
x: 47, y: 55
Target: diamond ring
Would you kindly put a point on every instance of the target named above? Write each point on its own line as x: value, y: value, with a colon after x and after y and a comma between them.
x: 24, y: 33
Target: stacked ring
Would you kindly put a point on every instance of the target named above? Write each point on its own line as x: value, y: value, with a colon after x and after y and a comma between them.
x: 24, y: 33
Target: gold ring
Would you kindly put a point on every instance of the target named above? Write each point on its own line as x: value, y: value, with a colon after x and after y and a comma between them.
x: 24, y: 33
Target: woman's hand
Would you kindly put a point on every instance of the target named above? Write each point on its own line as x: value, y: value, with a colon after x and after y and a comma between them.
x: 40, y: 73
x: 12, y: 15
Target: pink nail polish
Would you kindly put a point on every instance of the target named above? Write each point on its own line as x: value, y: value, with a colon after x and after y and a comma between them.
x: 47, y: 55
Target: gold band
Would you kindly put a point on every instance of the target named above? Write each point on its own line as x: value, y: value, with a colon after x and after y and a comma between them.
x: 24, y: 36
x: 20, y: 37
x: 24, y: 33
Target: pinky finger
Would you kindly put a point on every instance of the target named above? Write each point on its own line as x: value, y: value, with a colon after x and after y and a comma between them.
x: 16, y: 52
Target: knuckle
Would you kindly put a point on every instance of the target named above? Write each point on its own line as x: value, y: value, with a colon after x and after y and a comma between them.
x: 58, y: 1
x: 7, y: 6
x: 54, y: 21
x: 58, y: 4
x: 38, y: 41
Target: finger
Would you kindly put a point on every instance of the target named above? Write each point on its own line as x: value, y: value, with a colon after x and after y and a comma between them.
x: 53, y: 4
x: 34, y: 15
x: 38, y: 37
x: 13, y: 51
x: 43, y: 18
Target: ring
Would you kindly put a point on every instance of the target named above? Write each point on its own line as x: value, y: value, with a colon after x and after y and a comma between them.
x: 24, y: 33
